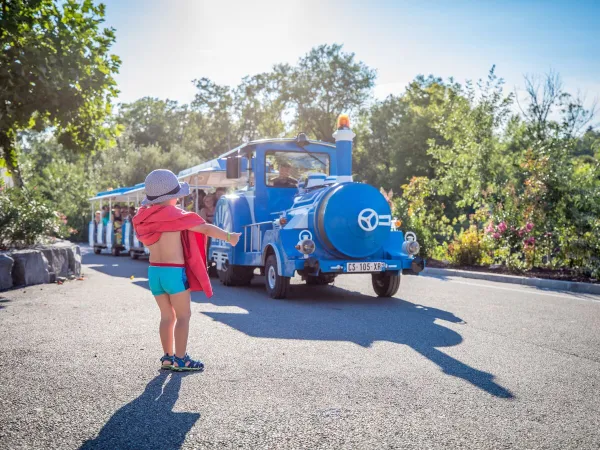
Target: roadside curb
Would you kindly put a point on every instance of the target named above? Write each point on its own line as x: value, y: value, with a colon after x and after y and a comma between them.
x: 571, y: 286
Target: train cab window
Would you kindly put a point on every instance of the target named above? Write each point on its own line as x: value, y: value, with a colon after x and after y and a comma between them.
x: 284, y: 169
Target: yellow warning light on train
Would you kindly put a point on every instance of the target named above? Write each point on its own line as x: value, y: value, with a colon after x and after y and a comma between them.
x: 343, y: 121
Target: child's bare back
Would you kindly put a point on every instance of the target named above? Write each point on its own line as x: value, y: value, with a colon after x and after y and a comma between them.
x: 167, y: 249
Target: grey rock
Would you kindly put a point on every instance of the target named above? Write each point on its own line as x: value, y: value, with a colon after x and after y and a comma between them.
x: 64, y: 259
x: 58, y: 259
x: 6, y: 266
x: 75, y: 260
x: 31, y: 267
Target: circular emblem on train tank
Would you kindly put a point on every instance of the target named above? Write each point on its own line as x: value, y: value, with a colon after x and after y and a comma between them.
x: 368, y: 219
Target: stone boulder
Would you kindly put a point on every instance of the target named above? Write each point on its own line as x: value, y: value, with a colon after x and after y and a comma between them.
x: 64, y: 259
x: 58, y: 261
x: 31, y: 267
x: 6, y: 266
x: 75, y: 260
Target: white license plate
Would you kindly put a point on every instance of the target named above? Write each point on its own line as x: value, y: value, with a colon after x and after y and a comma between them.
x: 365, y: 267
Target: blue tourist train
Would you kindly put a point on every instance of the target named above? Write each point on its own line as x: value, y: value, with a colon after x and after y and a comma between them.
x: 300, y: 212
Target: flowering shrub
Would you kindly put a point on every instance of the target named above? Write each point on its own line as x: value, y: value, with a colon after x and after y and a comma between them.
x: 423, y: 213
x: 25, y: 218
x: 468, y: 248
x: 513, y: 241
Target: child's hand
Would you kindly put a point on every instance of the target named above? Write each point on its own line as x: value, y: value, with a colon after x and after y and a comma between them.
x: 234, y: 238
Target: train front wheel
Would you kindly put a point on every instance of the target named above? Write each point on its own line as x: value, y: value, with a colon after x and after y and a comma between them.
x: 385, y: 285
x: 232, y: 275
x: 277, y: 285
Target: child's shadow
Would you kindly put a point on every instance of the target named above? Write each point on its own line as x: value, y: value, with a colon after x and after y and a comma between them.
x: 149, y: 420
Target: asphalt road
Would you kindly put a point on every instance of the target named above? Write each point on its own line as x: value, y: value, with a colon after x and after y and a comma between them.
x: 449, y: 363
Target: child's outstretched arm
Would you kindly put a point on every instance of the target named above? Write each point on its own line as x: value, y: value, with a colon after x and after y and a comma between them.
x: 217, y: 233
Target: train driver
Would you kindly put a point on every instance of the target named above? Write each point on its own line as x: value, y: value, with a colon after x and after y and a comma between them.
x: 284, y: 179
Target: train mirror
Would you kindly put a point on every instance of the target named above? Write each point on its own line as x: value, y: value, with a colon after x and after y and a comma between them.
x: 232, y: 167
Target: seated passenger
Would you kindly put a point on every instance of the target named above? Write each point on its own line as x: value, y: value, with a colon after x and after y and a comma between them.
x: 190, y: 201
x: 118, y: 224
x: 208, y: 212
x: 284, y: 179
x: 220, y: 192
x: 105, y: 215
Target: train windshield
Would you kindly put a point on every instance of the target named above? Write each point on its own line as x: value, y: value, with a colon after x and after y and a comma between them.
x: 284, y: 169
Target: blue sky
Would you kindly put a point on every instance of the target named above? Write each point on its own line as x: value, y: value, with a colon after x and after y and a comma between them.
x: 164, y: 45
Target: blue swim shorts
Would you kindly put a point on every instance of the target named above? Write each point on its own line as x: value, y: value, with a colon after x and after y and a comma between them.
x: 167, y: 279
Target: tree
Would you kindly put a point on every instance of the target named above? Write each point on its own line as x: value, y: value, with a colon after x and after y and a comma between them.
x: 325, y: 83
x: 393, y: 146
x: 472, y: 161
x: 55, y: 70
x: 151, y: 121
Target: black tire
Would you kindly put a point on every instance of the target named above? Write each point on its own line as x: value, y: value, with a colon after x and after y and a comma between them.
x: 212, y: 271
x: 97, y: 250
x: 115, y: 251
x: 231, y: 275
x: 133, y: 254
x: 277, y: 286
x: 385, y: 285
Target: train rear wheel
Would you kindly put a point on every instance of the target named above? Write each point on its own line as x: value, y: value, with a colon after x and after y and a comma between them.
x: 231, y: 275
x: 97, y: 250
x: 385, y: 285
x: 277, y: 286
x: 212, y: 271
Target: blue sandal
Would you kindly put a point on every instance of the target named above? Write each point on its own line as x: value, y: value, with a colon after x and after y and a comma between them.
x: 165, y: 358
x: 182, y: 364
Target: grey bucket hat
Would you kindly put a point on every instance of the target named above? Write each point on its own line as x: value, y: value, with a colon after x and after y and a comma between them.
x: 161, y: 185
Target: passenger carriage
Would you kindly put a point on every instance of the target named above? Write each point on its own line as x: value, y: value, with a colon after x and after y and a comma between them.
x: 102, y: 236
x: 300, y: 212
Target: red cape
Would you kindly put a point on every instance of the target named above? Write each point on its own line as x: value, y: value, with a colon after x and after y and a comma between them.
x: 151, y: 221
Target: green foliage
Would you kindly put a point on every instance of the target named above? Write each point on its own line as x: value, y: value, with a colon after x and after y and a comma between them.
x: 472, y: 161
x: 422, y: 212
x: 55, y: 65
x: 325, y: 83
x: 393, y: 141
x: 468, y: 248
x: 26, y: 218
x: 126, y: 164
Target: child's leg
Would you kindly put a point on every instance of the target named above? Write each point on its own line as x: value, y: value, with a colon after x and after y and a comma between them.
x: 167, y: 322
x: 181, y: 305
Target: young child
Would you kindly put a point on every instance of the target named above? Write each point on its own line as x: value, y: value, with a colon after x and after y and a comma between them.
x: 175, y: 239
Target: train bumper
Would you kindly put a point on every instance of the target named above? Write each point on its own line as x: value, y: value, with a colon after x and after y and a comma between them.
x: 313, y: 266
x: 417, y: 265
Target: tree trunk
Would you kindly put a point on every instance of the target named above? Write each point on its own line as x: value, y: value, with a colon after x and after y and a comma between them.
x: 10, y: 157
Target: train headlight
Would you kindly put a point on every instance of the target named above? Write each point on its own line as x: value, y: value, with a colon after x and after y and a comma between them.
x: 306, y: 246
x: 411, y: 247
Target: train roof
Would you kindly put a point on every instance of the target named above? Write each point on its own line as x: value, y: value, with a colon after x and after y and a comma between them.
x: 273, y: 140
x: 208, y: 174
x: 120, y: 194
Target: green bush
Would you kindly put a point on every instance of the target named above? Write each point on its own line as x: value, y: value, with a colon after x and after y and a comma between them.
x: 26, y: 219
x: 468, y: 248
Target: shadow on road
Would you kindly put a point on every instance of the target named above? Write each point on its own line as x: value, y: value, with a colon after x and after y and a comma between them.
x: 329, y: 313
x: 3, y: 300
x: 342, y: 315
x: 149, y: 420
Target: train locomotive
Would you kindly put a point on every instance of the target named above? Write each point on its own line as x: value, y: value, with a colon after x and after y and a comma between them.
x: 301, y: 213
